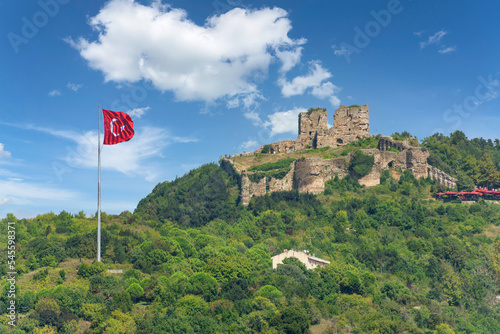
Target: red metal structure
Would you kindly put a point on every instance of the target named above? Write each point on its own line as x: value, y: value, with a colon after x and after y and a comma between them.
x: 471, y: 195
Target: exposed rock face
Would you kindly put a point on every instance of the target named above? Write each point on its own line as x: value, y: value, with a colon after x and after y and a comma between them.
x: 250, y: 189
x: 311, y: 174
x: 442, y: 177
x: 284, y: 184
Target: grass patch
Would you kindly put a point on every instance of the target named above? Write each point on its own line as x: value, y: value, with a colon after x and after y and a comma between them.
x: 276, y: 174
x: 283, y: 163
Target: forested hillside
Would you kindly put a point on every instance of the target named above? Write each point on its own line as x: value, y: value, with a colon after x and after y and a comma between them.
x: 194, y: 260
x: 473, y: 162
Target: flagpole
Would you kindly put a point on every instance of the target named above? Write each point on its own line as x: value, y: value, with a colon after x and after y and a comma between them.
x: 99, y: 186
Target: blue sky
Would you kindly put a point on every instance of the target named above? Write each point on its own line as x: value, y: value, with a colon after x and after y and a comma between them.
x: 206, y: 78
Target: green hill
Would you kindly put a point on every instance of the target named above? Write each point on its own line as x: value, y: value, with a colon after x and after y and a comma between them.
x: 192, y: 259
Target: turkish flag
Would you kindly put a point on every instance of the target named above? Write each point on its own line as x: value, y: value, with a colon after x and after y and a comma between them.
x: 118, y: 127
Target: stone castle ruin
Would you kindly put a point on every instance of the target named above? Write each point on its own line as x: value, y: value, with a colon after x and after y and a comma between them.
x: 310, y: 174
x: 350, y: 124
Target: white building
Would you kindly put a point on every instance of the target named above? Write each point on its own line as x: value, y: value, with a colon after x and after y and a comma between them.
x: 308, y: 260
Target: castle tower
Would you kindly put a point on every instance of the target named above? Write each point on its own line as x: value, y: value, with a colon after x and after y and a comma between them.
x: 350, y: 123
x: 312, y: 125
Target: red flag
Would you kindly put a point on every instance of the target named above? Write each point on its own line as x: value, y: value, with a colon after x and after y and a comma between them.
x: 118, y: 127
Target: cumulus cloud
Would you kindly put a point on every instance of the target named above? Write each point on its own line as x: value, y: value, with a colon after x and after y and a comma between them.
x: 289, y: 58
x: 225, y: 57
x: 317, y: 74
x: 54, y: 92
x: 313, y: 82
x: 138, y: 112
x: 284, y: 121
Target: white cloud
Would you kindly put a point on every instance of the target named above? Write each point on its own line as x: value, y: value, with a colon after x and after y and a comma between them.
x: 131, y: 158
x: 225, y: 57
x: 340, y: 51
x: 418, y: 33
x: 313, y: 82
x: 284, y: 121
x: 24, y: 192
x: 54, y: 92
x: 325, y: 90
x: 334, y: 100
x: 3, y: 152
x: 4, y: 200
x: 138, y: 112
x: 289, y: 58
x: 447, y: 49
x: 300, y: 84
x: 434, y: 39
x: 74, y: 87
x: 249, y: 144
x: 233, y: 103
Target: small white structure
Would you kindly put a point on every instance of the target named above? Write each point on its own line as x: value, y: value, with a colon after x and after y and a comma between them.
x: 308, y: 260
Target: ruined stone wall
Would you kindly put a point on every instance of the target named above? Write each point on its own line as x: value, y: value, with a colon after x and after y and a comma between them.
x: 285, y: 146
x: 250, y: 189
x: 416, y: 161
x: 312, y: 124
x: 386, y: 143
x: 350, y: 123
x: 442, y: 177
x: 311, y: 174
x: 284, y: 184
x: 227, y: 165
x: 413, y: 159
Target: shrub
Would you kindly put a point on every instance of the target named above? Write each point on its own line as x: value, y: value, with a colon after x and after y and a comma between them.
x: 361, y: 164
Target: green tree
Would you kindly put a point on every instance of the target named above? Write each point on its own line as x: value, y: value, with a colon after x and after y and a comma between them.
x: 270, y: 292
x: 203, y: 284
x: 135, y: 290
x: 292, y: 320
x: 464, y: 182
x: 225, y: 268
x: 191, y: 305
x: 488, y: 176
x: 361, y: 164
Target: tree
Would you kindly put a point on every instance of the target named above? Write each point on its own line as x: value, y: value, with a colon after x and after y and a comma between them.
x: 203, y: 284
x: 135, y: 290
x: 488, y: 176
x: 292, y: 320
x: 225, y: 268
x: 464, y: 182
x: 444, y: 329
x: 191, y: 305
x: 270, y: 292
x: 361, y: 164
